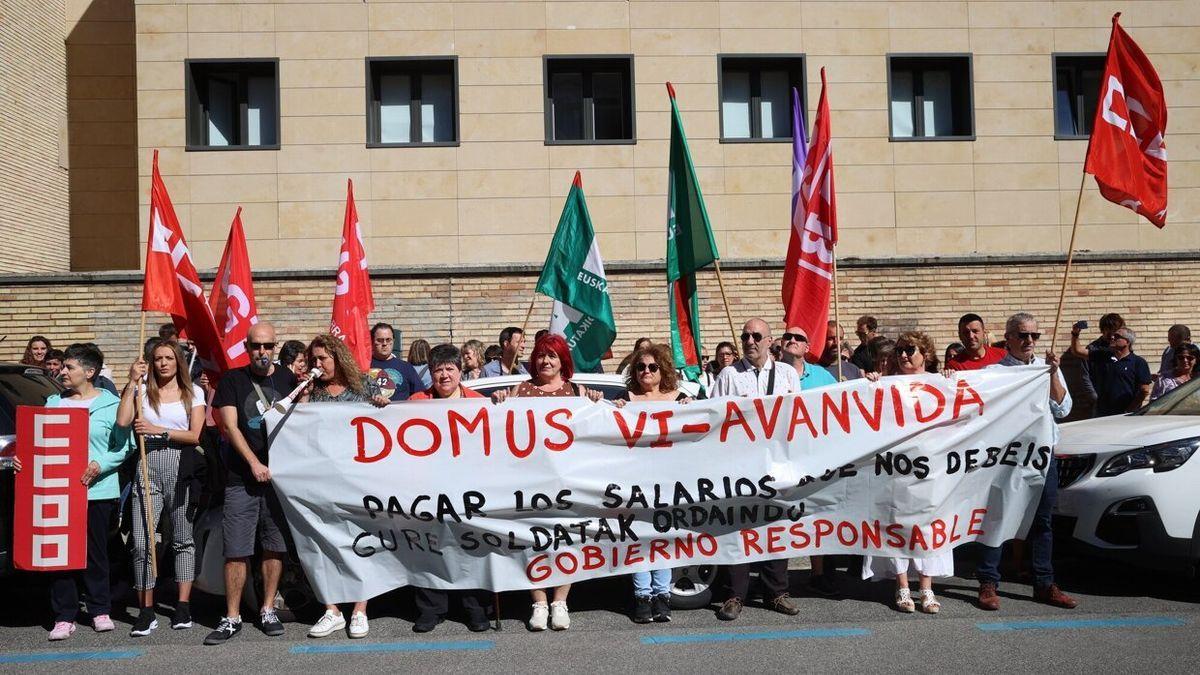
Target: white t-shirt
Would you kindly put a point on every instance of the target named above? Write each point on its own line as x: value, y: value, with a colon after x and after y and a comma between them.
x: 173, y: 415
x: 77, y: 403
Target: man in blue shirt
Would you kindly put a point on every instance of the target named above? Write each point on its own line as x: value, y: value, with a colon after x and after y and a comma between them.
x: 396, y: 379
x: 1122, y: 378
x: 512, y: 344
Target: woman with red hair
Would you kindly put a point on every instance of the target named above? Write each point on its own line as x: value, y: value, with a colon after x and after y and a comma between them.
x: 552, y: 372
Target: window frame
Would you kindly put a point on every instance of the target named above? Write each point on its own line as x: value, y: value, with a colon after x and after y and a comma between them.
x: 594, y: 60
x: 372, y: 100
x: 788, y: 61
x: 1100, y: 56
x: 195, y: 115
x: 968, y: 58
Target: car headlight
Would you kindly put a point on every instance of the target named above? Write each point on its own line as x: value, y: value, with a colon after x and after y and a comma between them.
x: 1161, y: 457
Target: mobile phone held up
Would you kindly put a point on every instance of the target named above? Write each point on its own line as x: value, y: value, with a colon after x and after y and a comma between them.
x: 1080, y: 325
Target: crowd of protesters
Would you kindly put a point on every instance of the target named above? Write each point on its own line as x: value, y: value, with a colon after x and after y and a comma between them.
x: 167, y: 400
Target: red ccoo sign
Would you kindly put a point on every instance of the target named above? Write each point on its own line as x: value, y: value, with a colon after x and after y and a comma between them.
x: 50, y: 513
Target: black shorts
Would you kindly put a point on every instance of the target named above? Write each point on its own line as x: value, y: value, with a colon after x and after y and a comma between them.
x: 251, y: 508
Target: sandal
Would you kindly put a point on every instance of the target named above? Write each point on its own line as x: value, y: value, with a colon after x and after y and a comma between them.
x: 904, y: 601
x: 929, y: 603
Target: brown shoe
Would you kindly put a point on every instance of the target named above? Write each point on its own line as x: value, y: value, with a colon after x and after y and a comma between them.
x: 1053, y: 595
x: 784, y: 605
x: 730, y: 610
x: 988, y: 599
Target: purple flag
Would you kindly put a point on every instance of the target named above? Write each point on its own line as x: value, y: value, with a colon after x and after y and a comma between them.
x: 799, y: 156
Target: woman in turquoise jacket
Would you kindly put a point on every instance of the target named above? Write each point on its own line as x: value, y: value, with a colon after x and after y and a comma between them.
x: 108, y: 446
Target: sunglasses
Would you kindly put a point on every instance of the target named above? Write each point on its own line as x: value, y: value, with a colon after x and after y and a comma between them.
x: 260, y: 345
x: 907, y: 350
x: 798, y: 337
x: 758, y: 337
x: 1029, y: 336
x: 643, y: 367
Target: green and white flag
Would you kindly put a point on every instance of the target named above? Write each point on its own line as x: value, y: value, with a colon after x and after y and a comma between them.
x: 574, y: 276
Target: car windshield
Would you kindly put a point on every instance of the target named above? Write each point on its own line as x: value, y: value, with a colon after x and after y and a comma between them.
x: 1183, y: 400
x: 30, y: 387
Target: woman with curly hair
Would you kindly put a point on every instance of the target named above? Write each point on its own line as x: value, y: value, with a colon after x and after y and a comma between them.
x: 472, y: 360
x: 913, y: 351
x: 340, y: 381
x: 35, y: 351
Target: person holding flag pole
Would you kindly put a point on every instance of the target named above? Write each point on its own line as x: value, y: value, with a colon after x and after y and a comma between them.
x: 690, y: 247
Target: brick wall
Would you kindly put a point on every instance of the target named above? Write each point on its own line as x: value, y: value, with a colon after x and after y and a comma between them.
x: 33, y: 119
x: 1150, y: 293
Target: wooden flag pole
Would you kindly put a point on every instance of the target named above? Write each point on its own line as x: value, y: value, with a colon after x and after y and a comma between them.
x: 525, y: 323
x: 147, y: 498
x: 1062, y: 291
x: 724, y: 299
x: 837, y: 322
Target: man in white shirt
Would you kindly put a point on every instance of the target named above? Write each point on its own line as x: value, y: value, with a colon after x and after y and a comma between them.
x: 757, y: 375
x: 1021, y: 336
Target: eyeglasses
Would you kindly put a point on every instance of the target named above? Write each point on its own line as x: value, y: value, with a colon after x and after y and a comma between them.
x: 1026, y: 335
x: 643, y: 367
x: 260, y: 345
x: 798, y: 337
x: 907, y: 350
x: 758, y: 337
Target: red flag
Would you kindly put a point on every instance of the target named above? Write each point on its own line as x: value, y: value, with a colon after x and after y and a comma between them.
x: 232, y: 296
x: 808, y: 273
x: 172, y: 285
x: 1126, y: 152
x: 352, y: 299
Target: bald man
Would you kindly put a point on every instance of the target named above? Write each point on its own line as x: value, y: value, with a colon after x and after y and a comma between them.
x: 757, y: 375
x: 251, y: 507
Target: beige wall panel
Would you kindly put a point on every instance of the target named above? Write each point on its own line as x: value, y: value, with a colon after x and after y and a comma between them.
x: 1017, y: 207
x: 757, y: 211
x: 314, y: 254
x: 757, y: 154
x: 679, y: 14
x: 526, y: 70
x: 517, y: 155
x: 410, y: 16
x: 1182, y: 93
x: 323, y: 17
x: 97, y: 10
x: 160, y: 47
x: 499, y: 15
x: 323, y: 130
x: 575, y: 15
x: 309, y: 45
x: 161, y: 133
x: 413, y: 159
x: 652, y: 245
x: 756, y: 243
x: 213, y: 18
x: 869, y: 242
x: 418, y: 250
x: 316, y: 74
x: 609, y: 214
x: 258, y: 17
x: 1012, y: 40
x: 676, y: 69
x: 1018, y: 239
x: 1081, y: 39
x: 488, y: 43
x: 501, y: 216
x: 1104, y: 238
x: 754, y: 14
x: 160, y: 75
x: 211, y: 221
x: 324, y: 158
x: 1175, y: 237
x: 501, y: 99
x: 414, y: 185
x: 860, y: 123
x: 674, y: 42
x: 502, y: 183
x: 413, y: 217
x: 500, y: 249
x: 846, y: 96
x: 692, y: 99
x: 597, y: 182
x: 158, y: 104
x: 1011, y: 14
x: 847, y: 42
x: 934, y: 177
x: 1094, y: 209
x: 232, y: 45
x: 757, y: 180
x: 502, y: 127
x: 588, y: 41
x: 932, y: 152
x: 1013, y: 95
x: 1014, y: 122
x: 1011, y: 68
x: 864, y: 151
x: 234, y: 188
x: 927, y: 14
x: 296, y: 187
x: 1014, y: 149
x: 586, y: 157
x: 617, y: 245
x: 1177, y: 66
x: 845, y: 69
x: 936, y: 241
x: 834, y: 14
x: 1016, y: 176
x: 929, y: 40
x: 162, y: 19
x: 762, y: 40
x: 935, y: 209
x: 855, y: 178
x: 313, y: 102
x: 223, y: 162
x: 305, y: 220
x: 867, y: 210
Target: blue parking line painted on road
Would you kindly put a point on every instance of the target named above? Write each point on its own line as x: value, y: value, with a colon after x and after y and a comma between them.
x: 46, y: 657
x: 1066, y: 624
x: 467, y: 645
x: 769, y: 635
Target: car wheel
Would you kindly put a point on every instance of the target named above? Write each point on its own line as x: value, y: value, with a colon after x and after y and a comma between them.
x: 692, y: 586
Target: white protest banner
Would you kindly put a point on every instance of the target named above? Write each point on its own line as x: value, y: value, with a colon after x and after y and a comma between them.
x: 544, y: 491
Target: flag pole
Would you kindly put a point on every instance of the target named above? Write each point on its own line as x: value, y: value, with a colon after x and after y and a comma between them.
x: 837, y: 322
x: 525, y: 323
x: 147, y: 498
x: 1062, y: 292
x: 724, y: 299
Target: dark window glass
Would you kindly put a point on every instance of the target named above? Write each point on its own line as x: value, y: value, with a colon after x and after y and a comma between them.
x: 756, y: 96
x: 1076, y: 92
x: 589, y: 99
x: 233, y: 104
x: 412, y: 101
x: 930, y: 97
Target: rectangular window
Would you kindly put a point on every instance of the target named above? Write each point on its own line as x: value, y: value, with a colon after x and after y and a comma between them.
x: 232, y: 105
x: 1076, y: 92
x: 930, y: 97
x: 589, y: 99
x: 756, y: 96
x: 412, y: 101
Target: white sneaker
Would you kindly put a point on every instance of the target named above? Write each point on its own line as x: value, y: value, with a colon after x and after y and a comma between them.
x: 329, y: 623
x: 541, y: 613
x: 358, y: 625
x: 559, y: 619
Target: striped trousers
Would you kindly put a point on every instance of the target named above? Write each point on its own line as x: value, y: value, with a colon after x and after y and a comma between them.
x: 168, y: 503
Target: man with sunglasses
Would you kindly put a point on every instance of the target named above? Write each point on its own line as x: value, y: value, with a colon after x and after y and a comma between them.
x: 757, y: 375
x: 795, y: 349
x: 1021, y: 336
x: 251, y: 506
x: 1122, y: 379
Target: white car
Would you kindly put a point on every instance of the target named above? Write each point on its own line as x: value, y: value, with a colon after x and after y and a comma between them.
x: 1127, y: 490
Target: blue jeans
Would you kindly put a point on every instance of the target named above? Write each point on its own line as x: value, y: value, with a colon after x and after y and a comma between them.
x: 654, y: 582
x: 1040, y: 538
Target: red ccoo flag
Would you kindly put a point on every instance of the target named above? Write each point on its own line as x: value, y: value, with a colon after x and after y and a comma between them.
x: 808, y: 273
x: 232, y: 296
x: 352, y: 299
x: 172, y: 285
x: 1126, y: 152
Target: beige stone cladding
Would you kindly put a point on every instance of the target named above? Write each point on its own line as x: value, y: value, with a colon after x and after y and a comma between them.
x: 495, y: 196
x: 1152, y: 293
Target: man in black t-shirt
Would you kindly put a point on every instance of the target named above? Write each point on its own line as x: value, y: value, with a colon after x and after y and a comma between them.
x: 251, y: 506
x: 1122, y: 378
x: 395, y: 378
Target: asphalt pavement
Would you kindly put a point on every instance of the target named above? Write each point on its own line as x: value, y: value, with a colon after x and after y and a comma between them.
x: 1127, y: 621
